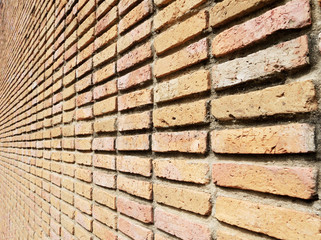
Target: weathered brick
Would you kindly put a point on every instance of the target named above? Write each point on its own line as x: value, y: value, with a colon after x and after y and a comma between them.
x: 281, y: 139
x: 135, y: 121
x: 141, y: 212
x: 181, y: 33
x: 124, y: 5
x: 136, y: 165
x: 104, y: 144
x: 276, y: 222
x: 83, y: 159
x: 104, y: 161
x: 103, y: 232
x: 84, y: 83
x: 134, y: 36
x: 181, y: 226
x: 105, y: 125
x: 186, y: 199
x: 174, y: 11
x: 82, y: 233
x: 262, y: 64
x: 192, y: 54
x: 134, y: 57
x: 188, y: 141
x: 84, y: 98
x: 141, y: 11
x: 106, y: 38
x: 133, y: 142
x: 104, y: 197
x: 135, y: 78
x: 135, y: 99
x: 105, y: 55
x: 186, y: 85
x: 133, y: 230
x: 104, y: 73
x: 104, y: 7
x: 286, y: 99
x: 105, y: 90
x: 106, y: 106
x: 83, y: 189
x: 84, y: 205
x: 182, y: 170
x: 84, y: 113
x: 135, y: 187
x: 84, y: 174
x: 108, y: 20
x: 295, y: 14
x: 295, y: 182
x: 104, y: 179
x: 105, y: 216
x: 180, y: 115
x: 229, y: 10
x: 83, y: 143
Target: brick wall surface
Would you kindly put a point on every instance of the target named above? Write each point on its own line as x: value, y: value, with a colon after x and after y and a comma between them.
x: 160, y: 119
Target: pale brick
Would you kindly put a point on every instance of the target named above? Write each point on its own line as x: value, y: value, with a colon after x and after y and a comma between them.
x: 103, y: 144
x: 81, y: 233
x: 134, y: 36
x: 135, y: 99
x: 104, y: 73
x: 106, y: 38
x: 181, y: 226
x: 135, y: 165
x: 124, y: 5
x: 291, y: 138
x: 181, y: 33
x: 188, y: 141
x: 106, y: 106
x: 141, y: 11
x: 135, y: 78
x: 84, y: 205
x: 105, y: 55
x: 182, y: 170
x: 109, y: 19
x: 133, y: 143
x: 265, y: 63
x: 104, y: 179
x: 83, y: 143
x: 105, y: 90
x: 84, y: 174
x: 182, y: 198
x: 83, y: 189
x: 84, y: 113
x: 103, y: 232
x: 83, y: 159
x: 134, y: 57
x: 295, y: 14
x: 105, y: 125
x: 192, y: 54
x: 104, y: 7
x: 134, y: 231
x: 104, y: 197
x: 278, y: 222
x: 141, y: 212
x: 186, y: 85
x: 180, y: 115
x: 83, y: 128
x: 135, y: 121
x: 174, y: 11
x: 286, y: 99
x: 104, y: 161
x: 229, y: 10
x: 295, y: 182
x: 105, y: 216
x: 135, y: 187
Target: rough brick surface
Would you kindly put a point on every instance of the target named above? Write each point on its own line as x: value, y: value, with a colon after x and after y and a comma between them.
x: 292, y: 138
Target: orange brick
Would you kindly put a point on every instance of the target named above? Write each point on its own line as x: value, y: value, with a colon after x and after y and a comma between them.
x: 135, y: 187
x: 136, y: 165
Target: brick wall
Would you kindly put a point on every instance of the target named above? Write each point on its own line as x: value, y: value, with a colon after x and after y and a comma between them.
x: 160, y: 119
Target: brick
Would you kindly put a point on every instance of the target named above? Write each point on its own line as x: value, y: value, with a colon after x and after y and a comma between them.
x: 103, y: 232
x: 84, y: 98
x: 181, y: 33
x: 266, y: 63
x: 105, y: 216
x: 276, y: 222
x: 188, y: 141
x: 104, y: 197
x: 104, y: 179
x: 82, y: 233
x: 83, y: 128
x: 124, y: 5
x: 86, y: 39
x: 85, y: 25
x: 104, y: 73
x: 85, y: 68
x: 134, y: 231
x: 83, y: 159
x: 183, y: 86
x: 232, y: 234
x: 135, y: 36
x: 84, y: 113
x: 162, y: 2
x: 84, y: 175
x: 295, y: 14
x: 106, y: 106
x: 105, y: 55
x: 135, y: 78
x: 83, y: 83
x: 135, y: 99
x: 104, y: 144
x: 281, y: 139
x: 192, y: 54
x: 85, y: 53
x: 104, y: 7
x: 180, y: 226
x: 135, y: 187
x: 174, y: 11
x: 141, y: 11
x: 287, y: 99
x: 229, y: 10
x: 86, y: 10
x: 105, y: 90
x: 135, y: 121
x: 182, y: 170
x: 104, y: 161
x: 141, y: 212
x: 83, y: 143
x: 295, y: 182
x: 105, y: 125
x: 106, y: 38
x: 84, y: 205
x: 108, y: 20
x: 180, y: 115
x: 135, y: 165
x: 186, y: 199
x: 136, y: 56
x: 83, y: 189
x: 133, y: 143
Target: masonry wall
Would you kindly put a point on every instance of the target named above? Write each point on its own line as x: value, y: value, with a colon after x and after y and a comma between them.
x: 160, y: 119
